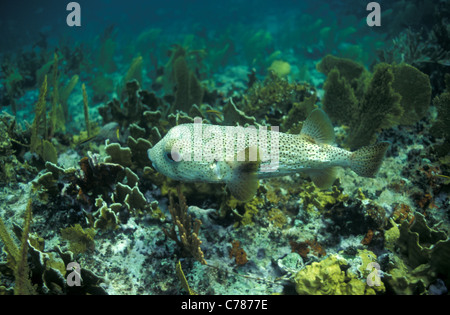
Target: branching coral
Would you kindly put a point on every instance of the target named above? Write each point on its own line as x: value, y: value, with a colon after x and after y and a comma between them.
x: 379, y: 108
x: 441, y: 128
x: 258, y: 45
x: 57, y: 117
x: 18, y: 257
x: 417, y: 48
x: 188, y: 90
x: 183, y: 280
x: 187, y: 237
x: 426, y: 48
x: 105, y: 57
x: 282, y: 103
x: 133, y: 73
x: 37, y: 271
x: 39, y: 132
x: 131, y: 111
x: 13, y: 85
x: 86, y: 110
x: 367, y: 103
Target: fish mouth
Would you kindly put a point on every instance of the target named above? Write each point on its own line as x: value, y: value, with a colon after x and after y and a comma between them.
x: 149, y: 154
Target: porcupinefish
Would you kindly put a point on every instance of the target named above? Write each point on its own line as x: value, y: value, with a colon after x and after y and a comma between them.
x: 239, y: 156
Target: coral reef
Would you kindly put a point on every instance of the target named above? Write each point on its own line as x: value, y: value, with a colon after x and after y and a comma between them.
x: 441, y: 128
x: 46, y: 273
x: 367, y: 102
x: 426, y: 251
x: 79, y: 195
x: 282, y: 103
x: 238, y: 253
x: 315, y: 199
x: 280, y: 67
x: 187, y: 238
x: 39, y: 143
x: 79, y: 239
x: 328, y: 278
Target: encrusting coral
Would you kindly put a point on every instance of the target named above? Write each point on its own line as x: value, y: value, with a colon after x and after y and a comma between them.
x: 315, y: 198
x: 238, y: 253
x: 329, y: 278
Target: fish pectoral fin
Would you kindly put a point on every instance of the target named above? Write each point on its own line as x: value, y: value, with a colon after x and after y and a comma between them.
x: 244, y: 188
x: 318, y: 128
x: 324, y: 178
x: 244, y: 179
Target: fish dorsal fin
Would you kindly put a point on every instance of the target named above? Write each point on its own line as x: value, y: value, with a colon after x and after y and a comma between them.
x: 318, y: 128
x: 244, y: 179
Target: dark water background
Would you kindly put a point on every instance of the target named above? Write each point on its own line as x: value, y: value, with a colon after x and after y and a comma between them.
x: 22, y: 21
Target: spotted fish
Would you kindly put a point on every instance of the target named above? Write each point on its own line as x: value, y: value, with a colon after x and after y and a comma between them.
x: 239, y: 156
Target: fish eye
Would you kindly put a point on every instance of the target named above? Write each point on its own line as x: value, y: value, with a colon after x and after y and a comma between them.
x: 172, y: 156
x: 168, y: 156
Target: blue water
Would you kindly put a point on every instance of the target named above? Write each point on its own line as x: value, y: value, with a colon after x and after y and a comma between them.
x: 233, y: 50
x: 22, y: 21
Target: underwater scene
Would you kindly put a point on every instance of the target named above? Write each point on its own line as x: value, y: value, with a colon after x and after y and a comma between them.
x: 252, y: 147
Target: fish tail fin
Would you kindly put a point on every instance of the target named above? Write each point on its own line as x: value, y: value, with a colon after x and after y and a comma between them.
x: 366, y: 161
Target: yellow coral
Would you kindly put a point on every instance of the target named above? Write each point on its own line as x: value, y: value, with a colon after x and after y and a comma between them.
x: 281, y: 68
x: 327, y: 278
x: 391, y: 236
x: 314, y: 197
x: 404, y: 280
x: 277, y: 217
x: 371, y: 271
x: 251, y: 209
